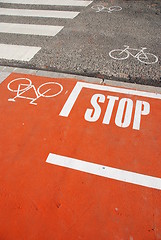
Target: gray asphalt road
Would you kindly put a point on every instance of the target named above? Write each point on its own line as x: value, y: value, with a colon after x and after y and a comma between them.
x: 83, y: 45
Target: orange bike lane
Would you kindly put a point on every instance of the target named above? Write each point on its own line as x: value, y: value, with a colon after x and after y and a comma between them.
x: 78, y: 160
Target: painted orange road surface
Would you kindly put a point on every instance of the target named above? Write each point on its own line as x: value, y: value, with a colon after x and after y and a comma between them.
x: 39, y: 200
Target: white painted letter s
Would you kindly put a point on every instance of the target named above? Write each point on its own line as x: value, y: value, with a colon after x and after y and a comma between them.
x: 92, y: 115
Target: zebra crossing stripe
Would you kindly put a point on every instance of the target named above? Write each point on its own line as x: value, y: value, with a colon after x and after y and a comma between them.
x: 38, y: 13
x: 26, y: 53
x: 44, y: 30
x: 50, y: 2
x: 17, y: 52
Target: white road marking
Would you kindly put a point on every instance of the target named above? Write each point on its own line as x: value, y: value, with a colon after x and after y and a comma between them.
x: 50, y: 2
x: 3, y: 76
x: 101, y: 8
x: 105, y: 171
x: 140, y: 55
x: 80, y: 85
x: 17, y: 52
x: 44, y: 30
x: 25, y: 84
x: 38, y: 13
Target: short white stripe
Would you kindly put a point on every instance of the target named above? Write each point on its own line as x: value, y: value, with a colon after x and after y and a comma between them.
x: 104, y: 171
x: 17, y: 52
x: 44, y: 30
x: 38, y: 13
x: 120, y: 90
x: 50, y: 2
x: 3, y: 76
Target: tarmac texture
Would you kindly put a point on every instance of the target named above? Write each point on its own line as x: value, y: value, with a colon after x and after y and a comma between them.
x: 83, y: 46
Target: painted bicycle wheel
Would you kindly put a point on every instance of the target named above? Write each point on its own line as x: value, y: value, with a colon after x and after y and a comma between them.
x: 98, y: 8
x: 19, y: 84
x: 115, y: 8
x: 119, y: 54
x: 50, y: 89
x: 147, y: 58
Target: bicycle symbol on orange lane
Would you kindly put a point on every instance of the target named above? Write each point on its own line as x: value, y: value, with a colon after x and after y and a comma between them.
x: 22, y: 86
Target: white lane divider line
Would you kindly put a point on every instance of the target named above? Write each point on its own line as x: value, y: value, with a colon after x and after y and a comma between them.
x: 30, y: 29
x: 50, y: 2
x: 17, y: 52
x: 38, y: 13
x: 105, y: 171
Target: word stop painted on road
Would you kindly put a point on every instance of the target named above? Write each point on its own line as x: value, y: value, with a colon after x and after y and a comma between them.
x: 124, y: 111
x: 78, y: 160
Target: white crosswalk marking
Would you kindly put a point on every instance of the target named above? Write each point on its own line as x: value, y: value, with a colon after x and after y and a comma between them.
x: 50, y: 2
x: 16, y: 52
x: 26, y: 53
x: 38, y: 13
x: 43, y: 30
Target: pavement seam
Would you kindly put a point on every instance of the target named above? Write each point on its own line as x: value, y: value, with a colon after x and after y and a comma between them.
x: 128, y: 78
x: 98, y: 80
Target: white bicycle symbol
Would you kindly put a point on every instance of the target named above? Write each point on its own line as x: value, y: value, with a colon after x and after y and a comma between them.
x: 122, y: 54
x: 22, y: 85
x: 101, y: 8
